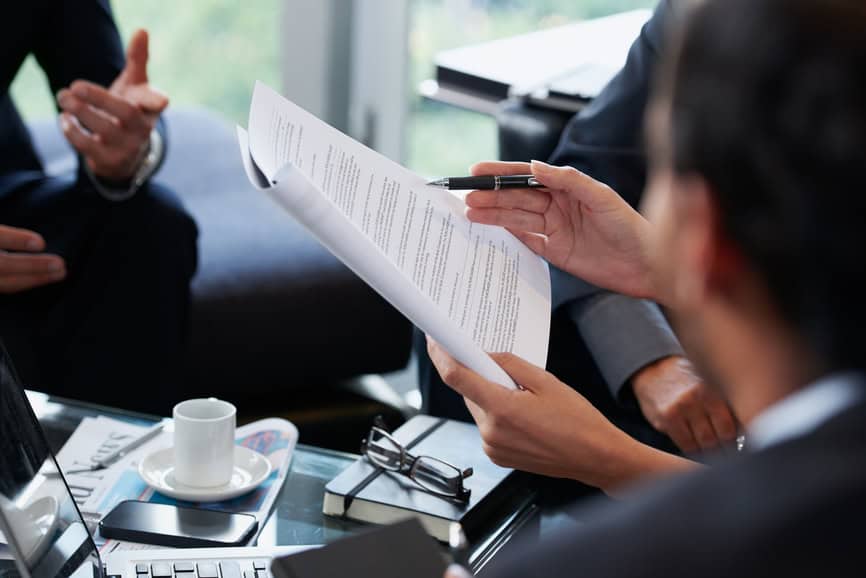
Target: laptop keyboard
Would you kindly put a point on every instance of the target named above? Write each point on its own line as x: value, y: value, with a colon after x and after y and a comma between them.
x: 209, y: 569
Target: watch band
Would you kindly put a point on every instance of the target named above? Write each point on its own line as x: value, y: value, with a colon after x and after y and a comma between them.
x: 147, y: 166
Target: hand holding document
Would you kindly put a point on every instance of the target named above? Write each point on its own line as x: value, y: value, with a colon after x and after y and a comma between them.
x: 473, y: 288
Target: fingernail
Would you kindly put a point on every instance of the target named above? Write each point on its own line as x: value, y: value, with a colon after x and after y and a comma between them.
x: 57, y: 267
x: 536, y: 164
x: 64, y: 123
x: 457, y: 571
x: 33, y: 245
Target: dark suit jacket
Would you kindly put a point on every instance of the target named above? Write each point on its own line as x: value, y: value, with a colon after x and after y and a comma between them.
x: 70, y: 39
x: 605, y: 140
x: 794, y: 509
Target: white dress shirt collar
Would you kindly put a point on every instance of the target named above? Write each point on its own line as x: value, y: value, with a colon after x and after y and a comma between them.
x: 800, y: 413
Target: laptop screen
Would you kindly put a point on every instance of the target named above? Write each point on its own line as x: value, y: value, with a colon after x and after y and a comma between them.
x: 40, y: 524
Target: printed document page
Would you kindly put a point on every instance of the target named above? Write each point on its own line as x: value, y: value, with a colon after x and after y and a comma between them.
x: 474, y: 288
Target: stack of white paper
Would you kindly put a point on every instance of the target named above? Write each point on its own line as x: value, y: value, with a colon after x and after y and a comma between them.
x: 473, y: 288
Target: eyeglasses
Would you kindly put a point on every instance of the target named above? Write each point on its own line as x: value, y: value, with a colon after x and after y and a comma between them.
x: 432, y: 475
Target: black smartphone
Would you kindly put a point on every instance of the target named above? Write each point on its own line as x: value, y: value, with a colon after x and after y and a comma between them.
x: 176, y: 526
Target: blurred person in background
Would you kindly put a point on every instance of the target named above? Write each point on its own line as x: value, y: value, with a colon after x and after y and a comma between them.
x: 617, y: 351
x: 754, y: 236
x: 95, y: 265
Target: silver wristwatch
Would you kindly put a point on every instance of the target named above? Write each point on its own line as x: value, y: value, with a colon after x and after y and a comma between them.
x: 146, y: 167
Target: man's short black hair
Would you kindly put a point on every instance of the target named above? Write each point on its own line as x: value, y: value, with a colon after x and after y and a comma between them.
x: 768, y: 104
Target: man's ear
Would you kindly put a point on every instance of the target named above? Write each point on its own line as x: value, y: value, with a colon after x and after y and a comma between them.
x: 696, y: 240
x: 714, y: 260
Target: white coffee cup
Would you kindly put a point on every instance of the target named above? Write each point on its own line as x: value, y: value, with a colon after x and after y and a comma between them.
x: 204, y: 442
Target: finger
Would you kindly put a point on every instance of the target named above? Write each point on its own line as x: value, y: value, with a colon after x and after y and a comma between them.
x: 526, y: 199
x: 682, y: 436
x: 463, y: 380
x: 136, y: 58
x: 499, y: 168
x: 536, y: 243
x: 529, y: 376
x: 84, y: 143
x: 148, y: 98
x: 23, y: 264
x: 101, y: 98
x: 95, y: 120
x: 478, y: 414
x: 14, y: 239
x: 575, y: 182
x: 509, y: 218
x: 703, y: 431
x: 723, y: 421
x: 18, y: 283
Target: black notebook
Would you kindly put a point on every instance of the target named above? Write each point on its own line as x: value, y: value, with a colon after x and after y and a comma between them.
x: 396, y: 551
x: 388, y: 497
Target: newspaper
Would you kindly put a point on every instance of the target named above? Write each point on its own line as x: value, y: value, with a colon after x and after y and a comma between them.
x: 96, y: 493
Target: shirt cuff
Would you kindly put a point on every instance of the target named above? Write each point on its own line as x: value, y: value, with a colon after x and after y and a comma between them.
x: 623, y: 335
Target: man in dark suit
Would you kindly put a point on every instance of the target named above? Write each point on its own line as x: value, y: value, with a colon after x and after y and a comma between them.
x: 755, y: 238
x: 95, y: 265
x: 617, y: 351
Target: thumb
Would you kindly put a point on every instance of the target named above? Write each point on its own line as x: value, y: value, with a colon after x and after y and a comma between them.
x: 136, y: 58
x: 571, y: 180
x: 525, y: 374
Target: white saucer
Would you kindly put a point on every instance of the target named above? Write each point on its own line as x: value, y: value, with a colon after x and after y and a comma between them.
x: 251, y: 469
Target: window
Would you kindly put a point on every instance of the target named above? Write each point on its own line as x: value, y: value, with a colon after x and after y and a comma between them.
x: 201, y: 53
x: 434, y: 148
x: 208, y: 52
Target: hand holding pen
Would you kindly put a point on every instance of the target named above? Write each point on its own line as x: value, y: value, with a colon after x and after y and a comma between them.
x: 573, y: 221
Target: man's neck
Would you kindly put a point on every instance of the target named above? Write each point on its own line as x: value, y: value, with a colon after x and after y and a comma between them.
x: 760, y: 362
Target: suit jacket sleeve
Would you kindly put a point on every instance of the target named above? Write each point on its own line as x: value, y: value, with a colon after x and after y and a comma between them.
x: 605, y: 140
x: 79, y: 40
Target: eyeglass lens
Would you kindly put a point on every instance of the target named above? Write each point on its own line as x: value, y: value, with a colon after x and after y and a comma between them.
x: 436, y: 476
x: 384, y: 451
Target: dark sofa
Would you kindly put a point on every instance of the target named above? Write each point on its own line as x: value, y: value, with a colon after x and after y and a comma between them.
x: 272, y: 310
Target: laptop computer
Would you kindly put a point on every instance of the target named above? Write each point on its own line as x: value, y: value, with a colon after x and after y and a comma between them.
x: 45, y: 534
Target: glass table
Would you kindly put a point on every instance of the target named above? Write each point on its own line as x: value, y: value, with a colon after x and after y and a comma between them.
x: 297, y: 517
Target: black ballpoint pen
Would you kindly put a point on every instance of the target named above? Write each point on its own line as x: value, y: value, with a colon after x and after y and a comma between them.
x: 487, y: 182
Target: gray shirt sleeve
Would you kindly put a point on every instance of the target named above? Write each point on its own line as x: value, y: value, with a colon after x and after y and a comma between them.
x: 622, y: 334
x: 605, y: 140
